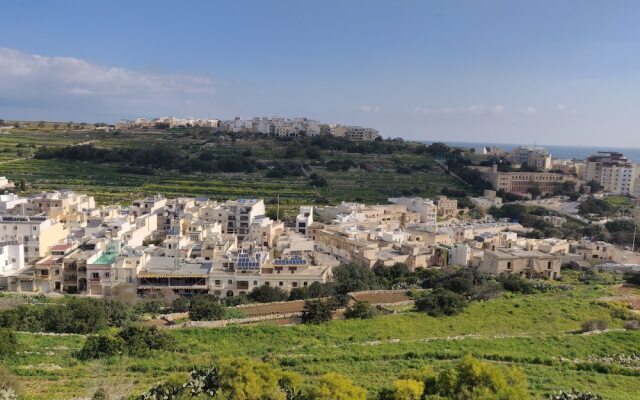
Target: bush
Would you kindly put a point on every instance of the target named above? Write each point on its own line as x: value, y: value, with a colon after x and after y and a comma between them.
x: 441, y: 302
x: 316, y: 311
x: 515, y: 284
x: 205, y: 308
x: 595, y: 325
x: 100, y: 346
x: 632, y: 325
x: 141, y: 339
x: 574, y: 395
x: 9, y: 386
x: 181, y: 304
x: 360, y: 310
x: 268, y: 294
x: 8, y: 343
x: 632, y: 278
x: 334, y: 386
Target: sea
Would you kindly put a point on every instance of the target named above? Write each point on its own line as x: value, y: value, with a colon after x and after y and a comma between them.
x: 562, y: 152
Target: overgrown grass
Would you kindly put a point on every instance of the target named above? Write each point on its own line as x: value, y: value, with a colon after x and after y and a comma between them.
x: 537, y: 332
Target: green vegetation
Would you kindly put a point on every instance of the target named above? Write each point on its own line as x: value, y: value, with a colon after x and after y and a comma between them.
x: 121, y: 166
x: 538, y: 332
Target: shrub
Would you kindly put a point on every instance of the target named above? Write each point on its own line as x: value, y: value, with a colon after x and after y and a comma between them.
x: 9, y: 386
x: 360, y: 310
x: 205, y: 308
x: 595, y: 325
x: 515, y: 284
x: 268, y: 294
x: 100, y: 346
x: 441, y: 302
x: 334, y: 386
x: 8, y: 343
x: 316, y: 311
x: 141, y: 339
x: 181, y: 304
x: 574, y: 395
x: 632, y: 325
x: 472, y: 379
x: 632, y: 278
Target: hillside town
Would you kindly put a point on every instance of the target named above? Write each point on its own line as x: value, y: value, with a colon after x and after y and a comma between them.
x: 62, y: 242
x: 268, y: 126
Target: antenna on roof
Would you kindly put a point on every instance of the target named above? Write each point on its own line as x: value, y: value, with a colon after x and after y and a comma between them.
x: 278, y: 209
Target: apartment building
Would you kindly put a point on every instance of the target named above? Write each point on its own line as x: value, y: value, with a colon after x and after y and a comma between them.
x: 36, y: 233
x: 10, y: 203
x: 525, y: 263
x: 11, y: 261
x: 359, y: 133
x: 150, y: 205
x: 426, y: 208
x: 238, y: 215
x: 536, y: 157
x: 62, y: 204
x: 613, y: 171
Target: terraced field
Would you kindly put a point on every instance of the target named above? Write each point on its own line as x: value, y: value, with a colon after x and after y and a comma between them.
x: 105, y: 181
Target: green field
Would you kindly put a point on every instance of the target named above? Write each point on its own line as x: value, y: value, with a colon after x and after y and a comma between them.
x: 537, y: 332
x: 374, y: 184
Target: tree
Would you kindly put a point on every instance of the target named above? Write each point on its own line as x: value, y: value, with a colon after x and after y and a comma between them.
x: 441, y: 302
x: 353, y: 278
x: 632, y: 278
x: 360, y: 310
x: 267, y: 294
x: 316, y: 311
x: 205, y: 308
x: 142, y: 339
x: 333, y: 386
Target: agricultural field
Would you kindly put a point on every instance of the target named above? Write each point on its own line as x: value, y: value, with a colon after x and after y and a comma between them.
x: 373, y: 179
x: 538, y: 332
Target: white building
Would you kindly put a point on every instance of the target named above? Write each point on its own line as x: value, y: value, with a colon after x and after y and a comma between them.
x: 426, y: 208
x: 11, y: 261
x: 304, y: 219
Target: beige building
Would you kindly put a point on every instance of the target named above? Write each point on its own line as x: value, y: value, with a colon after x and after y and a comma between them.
x: 613, y: 171
x: 36, y: 233
x: 526, y: 263
x: 521, y: 182
x: 447, y: 208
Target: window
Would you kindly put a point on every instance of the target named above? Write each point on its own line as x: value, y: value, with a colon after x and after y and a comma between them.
x: 217, y: 282
x: 255, y: 283
x: 294, y: 284
x: 230, y: 281
x: 509, y: 265
x: 304, y: 283
x: 95, y: 275
x: 280, y: 283
x: 549, y: 265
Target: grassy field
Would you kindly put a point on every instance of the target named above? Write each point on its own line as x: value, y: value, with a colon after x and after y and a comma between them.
x: 373, y: 185
x: 537, y: 332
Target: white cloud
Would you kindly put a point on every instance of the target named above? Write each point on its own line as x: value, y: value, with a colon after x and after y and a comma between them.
x: 368, y: 109
x: 471, y: 110
x: 561, y: 107
x: 39, y: 82
x: 529, y: 110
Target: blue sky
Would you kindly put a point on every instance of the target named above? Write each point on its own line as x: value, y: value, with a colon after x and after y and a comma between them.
x: 554, y: 72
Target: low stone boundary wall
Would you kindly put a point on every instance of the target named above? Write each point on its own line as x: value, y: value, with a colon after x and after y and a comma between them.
x: 227, y: 322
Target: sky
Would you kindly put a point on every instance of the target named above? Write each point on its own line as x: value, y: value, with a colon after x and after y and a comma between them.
x: 545, y: 72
